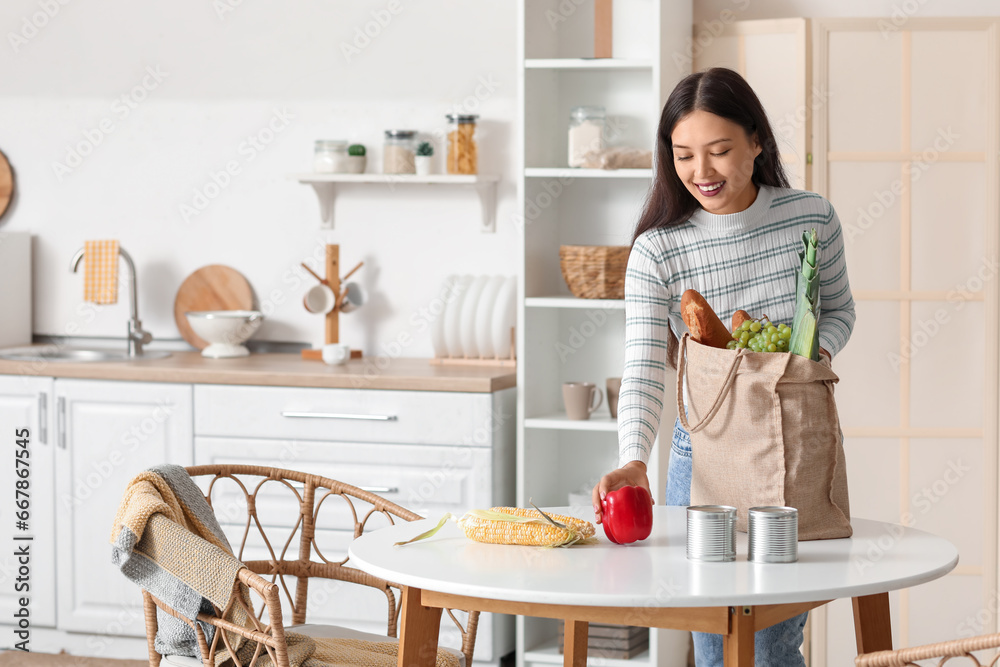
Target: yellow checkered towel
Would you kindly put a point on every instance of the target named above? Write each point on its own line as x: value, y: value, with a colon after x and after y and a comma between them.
x: 100, y: 279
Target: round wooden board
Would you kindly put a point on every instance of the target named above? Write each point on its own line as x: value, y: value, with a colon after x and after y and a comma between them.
x: 6, y: 184
x: 213, y: 287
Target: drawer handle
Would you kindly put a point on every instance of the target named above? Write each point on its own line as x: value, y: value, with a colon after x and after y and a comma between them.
x: 299, y: 486
x: 339, y: 415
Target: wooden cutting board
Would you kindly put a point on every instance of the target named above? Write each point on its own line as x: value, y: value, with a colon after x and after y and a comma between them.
x: 6, y: 184
x: 213, y: 287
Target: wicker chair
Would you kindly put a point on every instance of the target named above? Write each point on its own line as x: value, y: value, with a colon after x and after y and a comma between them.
x: 245, y: 485
x: 950, y: 653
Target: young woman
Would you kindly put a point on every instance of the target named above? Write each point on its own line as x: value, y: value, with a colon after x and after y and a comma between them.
x: 720, y: 219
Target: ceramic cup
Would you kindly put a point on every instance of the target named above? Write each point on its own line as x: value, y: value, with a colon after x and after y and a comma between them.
x: 579, y: 399
x: 336, y: 354
x: 612, y: 387
x: 354, y: 297
x: 319, y: 299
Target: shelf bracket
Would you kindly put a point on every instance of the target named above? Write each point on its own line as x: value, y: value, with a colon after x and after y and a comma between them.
x: 487, y: 191
x: 325, y: 192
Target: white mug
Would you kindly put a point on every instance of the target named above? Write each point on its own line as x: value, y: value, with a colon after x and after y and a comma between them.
x: 353, y: 298
x: 319, y: 299
x: 336, y: 354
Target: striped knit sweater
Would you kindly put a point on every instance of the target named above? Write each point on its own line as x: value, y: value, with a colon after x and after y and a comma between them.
x: 746, y: 260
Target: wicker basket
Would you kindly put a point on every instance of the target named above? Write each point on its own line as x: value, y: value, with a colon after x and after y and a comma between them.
x: 594, y: 271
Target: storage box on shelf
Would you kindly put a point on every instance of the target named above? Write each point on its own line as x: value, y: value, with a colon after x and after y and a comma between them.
x: 565, y: 338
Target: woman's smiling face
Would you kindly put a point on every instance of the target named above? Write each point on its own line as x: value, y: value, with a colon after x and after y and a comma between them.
x: 714, y: 159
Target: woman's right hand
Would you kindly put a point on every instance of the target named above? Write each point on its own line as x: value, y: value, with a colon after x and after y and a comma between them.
x: 632, y: 473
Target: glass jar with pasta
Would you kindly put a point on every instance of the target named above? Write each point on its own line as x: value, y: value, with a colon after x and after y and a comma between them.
x: 462, y: 153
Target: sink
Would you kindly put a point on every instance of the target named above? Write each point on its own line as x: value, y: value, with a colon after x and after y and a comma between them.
x: 72, y: 354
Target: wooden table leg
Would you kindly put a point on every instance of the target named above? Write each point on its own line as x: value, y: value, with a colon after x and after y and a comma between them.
x: 872, y: 627
x: 418, y: 632
x: 737, y: 646
x: 575, y: 644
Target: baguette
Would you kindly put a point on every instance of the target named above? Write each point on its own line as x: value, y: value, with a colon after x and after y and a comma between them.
x: 705, y: 326
x: 739, y: 317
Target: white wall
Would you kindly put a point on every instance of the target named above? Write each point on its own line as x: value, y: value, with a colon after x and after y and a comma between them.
x: 228, y: 70
x: 707, y: 10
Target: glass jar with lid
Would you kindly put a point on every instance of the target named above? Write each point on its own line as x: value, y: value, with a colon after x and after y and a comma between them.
x: 462, y: 154
x: 398, y: 152
x: 586, y: 133
x: 330, y: 156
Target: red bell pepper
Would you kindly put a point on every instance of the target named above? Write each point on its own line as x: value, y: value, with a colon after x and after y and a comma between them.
x: 627, y: 514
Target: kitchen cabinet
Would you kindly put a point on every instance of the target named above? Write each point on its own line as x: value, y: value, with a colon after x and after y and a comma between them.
x: 26, y: 403
x: 106, y: 433
x: 431, y: 452
x: 564, y: 338
x: 903, y: 142
x: 449, y: 447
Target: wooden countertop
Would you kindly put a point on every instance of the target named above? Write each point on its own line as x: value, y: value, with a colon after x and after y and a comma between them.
x: 281, y: 370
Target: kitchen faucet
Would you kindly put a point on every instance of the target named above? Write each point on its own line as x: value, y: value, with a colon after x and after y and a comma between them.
x: 136, y: 336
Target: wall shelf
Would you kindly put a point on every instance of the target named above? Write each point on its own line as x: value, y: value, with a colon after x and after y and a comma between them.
x: 548, y: 653
x: 327, y: 186
x: 588, y: 63
x: 561, y: 422
x: 573, y: 302
x: 567, y: 172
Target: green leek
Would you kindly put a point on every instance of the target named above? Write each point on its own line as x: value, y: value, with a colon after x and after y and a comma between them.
x: 805, y: 329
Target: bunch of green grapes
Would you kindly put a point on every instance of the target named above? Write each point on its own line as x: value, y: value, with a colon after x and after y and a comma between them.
x: 761, y: 336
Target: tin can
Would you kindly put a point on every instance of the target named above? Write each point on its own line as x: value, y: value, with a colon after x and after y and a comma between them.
x: 711, y: 533
x: 773, y: 534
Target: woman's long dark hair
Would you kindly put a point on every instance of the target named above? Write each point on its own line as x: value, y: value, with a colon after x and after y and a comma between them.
x: 725, y: 93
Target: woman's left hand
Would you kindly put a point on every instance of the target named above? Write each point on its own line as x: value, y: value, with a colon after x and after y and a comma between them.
x: 827, y: 354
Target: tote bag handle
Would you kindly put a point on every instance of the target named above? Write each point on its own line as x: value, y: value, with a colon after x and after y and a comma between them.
x: 727, y: 384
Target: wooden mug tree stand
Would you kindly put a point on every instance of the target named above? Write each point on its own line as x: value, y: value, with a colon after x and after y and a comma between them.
x: 332, y: 318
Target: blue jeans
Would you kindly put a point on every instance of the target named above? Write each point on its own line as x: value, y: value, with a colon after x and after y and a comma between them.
x: 776, y: 646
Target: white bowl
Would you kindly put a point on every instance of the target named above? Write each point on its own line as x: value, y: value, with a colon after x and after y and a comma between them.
x: 225, y: 330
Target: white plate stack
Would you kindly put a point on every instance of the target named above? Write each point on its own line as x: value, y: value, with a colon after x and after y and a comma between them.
x: 774, y: 534
x: 476, y: 318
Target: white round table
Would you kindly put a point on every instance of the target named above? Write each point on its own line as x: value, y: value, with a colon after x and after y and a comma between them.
x: 652, y: 583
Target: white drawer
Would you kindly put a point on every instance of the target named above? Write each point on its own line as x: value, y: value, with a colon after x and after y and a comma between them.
x: 359, y: 415
x: 426, y: 479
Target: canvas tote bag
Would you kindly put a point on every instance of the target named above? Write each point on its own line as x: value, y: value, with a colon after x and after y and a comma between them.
x: 765, y: 431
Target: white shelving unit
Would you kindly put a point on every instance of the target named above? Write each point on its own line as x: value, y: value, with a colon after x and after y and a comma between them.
x: 563, y: 338
x: 327, y: 186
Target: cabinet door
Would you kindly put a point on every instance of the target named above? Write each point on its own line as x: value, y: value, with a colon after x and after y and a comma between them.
x: 906, y: 152
x: 107, y: 432
x: 25, y: 403
x: 772, y: 55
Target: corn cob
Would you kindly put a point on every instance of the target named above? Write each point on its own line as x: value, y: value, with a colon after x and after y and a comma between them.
x: 514, y: 525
